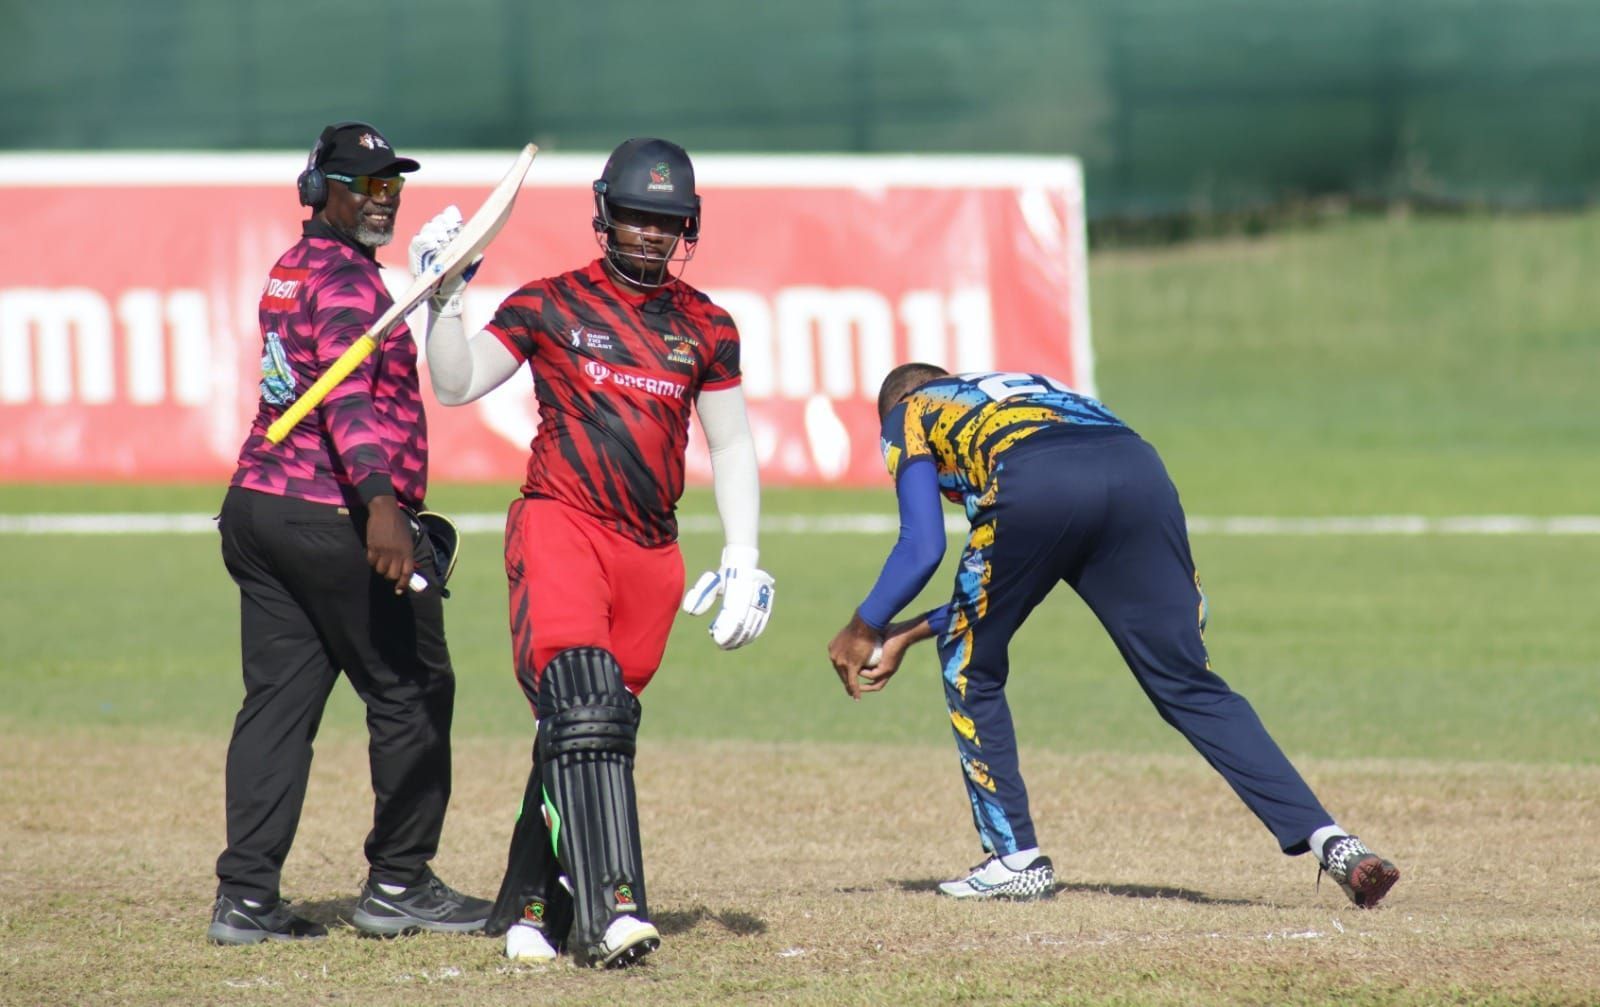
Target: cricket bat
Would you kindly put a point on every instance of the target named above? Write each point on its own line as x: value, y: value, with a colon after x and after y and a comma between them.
x: 475, y: 236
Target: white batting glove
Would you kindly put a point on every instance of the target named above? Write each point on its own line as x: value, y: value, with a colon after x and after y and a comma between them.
x: 746, y: 592
x: 434, y: 238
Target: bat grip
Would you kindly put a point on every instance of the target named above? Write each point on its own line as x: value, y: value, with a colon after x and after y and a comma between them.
x: 348, y: 361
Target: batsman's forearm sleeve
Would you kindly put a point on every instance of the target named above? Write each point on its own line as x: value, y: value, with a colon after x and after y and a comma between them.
x: 735, y: 478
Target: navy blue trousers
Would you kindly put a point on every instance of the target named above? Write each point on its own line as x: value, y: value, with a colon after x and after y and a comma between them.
x: 1095, y: 508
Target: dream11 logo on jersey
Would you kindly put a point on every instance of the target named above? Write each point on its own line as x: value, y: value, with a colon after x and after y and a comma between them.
x: 600, y: 374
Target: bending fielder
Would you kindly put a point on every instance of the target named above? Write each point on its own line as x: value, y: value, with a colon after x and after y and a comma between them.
x: 619, y: 349
x: 1058, y: 490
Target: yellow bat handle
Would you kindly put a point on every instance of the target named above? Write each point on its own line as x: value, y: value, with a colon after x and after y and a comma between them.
x: 348, y: 361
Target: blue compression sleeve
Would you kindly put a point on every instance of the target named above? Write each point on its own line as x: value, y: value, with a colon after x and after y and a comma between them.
x: 915, y: 557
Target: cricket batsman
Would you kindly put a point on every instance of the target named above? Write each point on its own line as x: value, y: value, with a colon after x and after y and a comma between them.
x: 620, y: 350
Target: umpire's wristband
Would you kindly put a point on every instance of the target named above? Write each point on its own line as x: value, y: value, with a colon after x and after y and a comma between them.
x: 374, y: 486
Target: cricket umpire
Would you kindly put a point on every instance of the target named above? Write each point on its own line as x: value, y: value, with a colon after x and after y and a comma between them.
x: 320, y: 534
x: 1058, y: 489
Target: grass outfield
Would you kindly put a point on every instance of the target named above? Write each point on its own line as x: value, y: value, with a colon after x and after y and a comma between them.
x: 1438, y: 691
x: 802, y: 874
x: 1427, y: 365
x: 1457, y: 647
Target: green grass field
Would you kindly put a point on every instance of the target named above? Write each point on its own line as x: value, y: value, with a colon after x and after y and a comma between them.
x: 1366, y: 367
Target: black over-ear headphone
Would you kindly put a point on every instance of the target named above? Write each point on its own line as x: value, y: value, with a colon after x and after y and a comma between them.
x: 312, y: 183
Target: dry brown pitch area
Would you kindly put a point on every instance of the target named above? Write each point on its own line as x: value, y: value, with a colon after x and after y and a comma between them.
x: 804, y: 875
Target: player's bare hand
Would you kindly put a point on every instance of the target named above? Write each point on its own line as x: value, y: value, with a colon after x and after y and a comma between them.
x: 389, y: 542
x: 850, y: 650
x: 897, y: 639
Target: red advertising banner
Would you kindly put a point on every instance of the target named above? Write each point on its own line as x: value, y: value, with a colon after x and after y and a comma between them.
x: 129, y: 347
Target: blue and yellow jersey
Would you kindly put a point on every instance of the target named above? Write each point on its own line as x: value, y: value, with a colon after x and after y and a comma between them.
x: 964, y: 422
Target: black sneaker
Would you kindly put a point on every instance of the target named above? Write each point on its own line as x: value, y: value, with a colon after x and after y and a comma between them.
x: 430, y: 904
x: 241, y: 921
x: 1364, y: 876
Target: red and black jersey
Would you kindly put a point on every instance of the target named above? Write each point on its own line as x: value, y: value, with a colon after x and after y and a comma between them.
x: 616, y: 374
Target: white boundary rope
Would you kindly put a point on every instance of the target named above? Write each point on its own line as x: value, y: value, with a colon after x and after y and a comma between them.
x: 882, y: 524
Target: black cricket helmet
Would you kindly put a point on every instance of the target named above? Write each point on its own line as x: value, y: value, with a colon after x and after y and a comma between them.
x: 654, y: 176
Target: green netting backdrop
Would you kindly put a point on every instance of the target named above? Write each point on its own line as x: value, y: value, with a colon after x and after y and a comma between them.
x: 1175, y: 106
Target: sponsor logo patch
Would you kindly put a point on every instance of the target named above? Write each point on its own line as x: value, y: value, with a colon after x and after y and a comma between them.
x: 283, y: 288
x: 600, y: 374
x: 372, y: 141
x: 277, y: 377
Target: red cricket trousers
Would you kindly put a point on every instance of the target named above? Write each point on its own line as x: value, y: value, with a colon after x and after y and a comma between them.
x: 577, y: 583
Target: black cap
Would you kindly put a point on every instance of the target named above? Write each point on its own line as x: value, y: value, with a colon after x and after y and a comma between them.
x: 358, y: 149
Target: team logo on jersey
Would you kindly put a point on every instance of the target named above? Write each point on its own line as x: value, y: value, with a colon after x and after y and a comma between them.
x: 277, y: 377
x: 598, y: 371
x: 372, y: 141
x: 683, y: 348
x: 660, y: 178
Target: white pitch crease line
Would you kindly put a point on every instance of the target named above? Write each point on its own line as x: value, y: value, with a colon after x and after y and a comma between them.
x: 883, y: 524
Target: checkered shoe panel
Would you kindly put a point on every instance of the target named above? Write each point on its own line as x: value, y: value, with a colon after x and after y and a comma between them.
x: 992, y: 879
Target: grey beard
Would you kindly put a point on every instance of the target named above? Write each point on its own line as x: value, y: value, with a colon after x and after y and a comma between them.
x: 372, y: 237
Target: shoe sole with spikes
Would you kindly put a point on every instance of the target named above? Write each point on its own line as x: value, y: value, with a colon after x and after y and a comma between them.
x: 1371, y: 877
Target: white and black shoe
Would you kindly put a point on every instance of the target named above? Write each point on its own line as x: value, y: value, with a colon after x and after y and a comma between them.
x: 429, y: 904
x: 992, y: 879
x: 627, y: 940
x: 1365, y: 877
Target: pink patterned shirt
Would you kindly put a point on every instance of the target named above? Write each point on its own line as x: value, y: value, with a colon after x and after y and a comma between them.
x: 369, y: 437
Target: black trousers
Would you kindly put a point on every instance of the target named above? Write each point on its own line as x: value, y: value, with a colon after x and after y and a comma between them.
x: 311, y: 607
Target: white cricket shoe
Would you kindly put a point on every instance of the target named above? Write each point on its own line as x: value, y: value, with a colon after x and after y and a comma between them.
x: 527, y: 943
x: 992, y: 879
x: 627, y: 940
